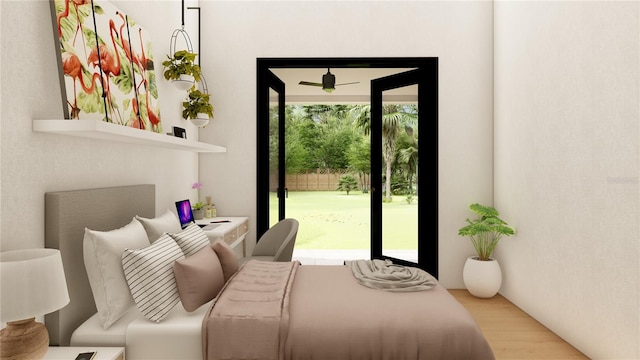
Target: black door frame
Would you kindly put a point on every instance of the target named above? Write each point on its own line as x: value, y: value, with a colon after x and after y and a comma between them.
x: 430, y: 130
x: 268, y: 81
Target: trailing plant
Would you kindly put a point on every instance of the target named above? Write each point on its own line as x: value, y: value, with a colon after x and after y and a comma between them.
x: 486, y: 231
x: 196, y: 102
x: 181, y: 63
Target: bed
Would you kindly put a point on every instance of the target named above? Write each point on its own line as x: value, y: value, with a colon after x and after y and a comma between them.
x: 321, y: 312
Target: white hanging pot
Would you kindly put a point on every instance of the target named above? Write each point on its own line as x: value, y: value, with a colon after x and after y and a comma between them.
x: 185, y: 82
x: 201, y: 120
x: 482, y: 278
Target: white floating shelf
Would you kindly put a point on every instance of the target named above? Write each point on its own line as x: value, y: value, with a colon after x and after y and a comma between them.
x: 97, y: 129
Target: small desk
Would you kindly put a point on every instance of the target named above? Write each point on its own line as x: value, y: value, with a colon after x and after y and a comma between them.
x: 233, y: 231
x: 70, y: 352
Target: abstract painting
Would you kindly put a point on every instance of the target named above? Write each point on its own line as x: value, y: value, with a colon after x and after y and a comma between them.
x: 106, y: 65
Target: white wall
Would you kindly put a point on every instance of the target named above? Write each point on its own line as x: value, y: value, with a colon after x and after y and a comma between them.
x: 566, y: 133
x: 566, y: 168
x: 34, y: 163
x: 235, y: 33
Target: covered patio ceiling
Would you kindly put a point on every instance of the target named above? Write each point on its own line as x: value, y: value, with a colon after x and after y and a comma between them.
x: 353, y: 93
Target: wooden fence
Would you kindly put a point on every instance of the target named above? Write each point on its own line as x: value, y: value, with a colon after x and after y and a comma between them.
x: 320, y: 180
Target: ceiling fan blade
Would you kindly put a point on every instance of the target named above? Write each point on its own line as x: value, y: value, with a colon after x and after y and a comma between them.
x: 309, y: 83
x: 349, y: 83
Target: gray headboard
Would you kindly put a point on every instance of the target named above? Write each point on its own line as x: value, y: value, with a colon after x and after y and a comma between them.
x: 67, y: 214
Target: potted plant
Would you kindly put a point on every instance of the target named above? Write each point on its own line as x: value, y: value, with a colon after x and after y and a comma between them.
x: 481, y: 274
x: 198, y: 210
x: 182, y: 69
x: 197, y: 108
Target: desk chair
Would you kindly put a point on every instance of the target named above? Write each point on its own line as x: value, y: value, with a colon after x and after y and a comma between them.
x: 276, y: 244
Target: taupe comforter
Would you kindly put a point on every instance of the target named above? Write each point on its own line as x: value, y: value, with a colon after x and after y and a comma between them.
x: 290, y: 312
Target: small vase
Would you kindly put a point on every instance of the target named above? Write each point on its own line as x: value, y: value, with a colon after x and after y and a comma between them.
x: 198, y: 214
x: 482, y: 278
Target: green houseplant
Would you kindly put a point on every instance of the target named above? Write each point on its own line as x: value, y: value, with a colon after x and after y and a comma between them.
x: 197, y: 107
x: 182, y: 62
x: 485, y: 231
x: 198, y: 210
x: 198, y: 206
x: 482, y: 274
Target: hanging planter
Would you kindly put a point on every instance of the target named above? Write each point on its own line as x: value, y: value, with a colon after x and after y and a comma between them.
x: 180, y: 66
x: 201, y: 120
x: 197, y: 106
x: 181, y: 69
x: 184, y: 82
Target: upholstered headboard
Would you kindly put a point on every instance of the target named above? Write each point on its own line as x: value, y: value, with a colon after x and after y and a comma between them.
x: 67, y: 214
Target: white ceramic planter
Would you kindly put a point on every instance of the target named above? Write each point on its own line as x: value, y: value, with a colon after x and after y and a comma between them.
x: 482, y: 278
x: 201, y: 120
x: 185, y: 82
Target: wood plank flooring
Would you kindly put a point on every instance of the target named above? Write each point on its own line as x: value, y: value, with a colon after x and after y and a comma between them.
x: 511, y: 333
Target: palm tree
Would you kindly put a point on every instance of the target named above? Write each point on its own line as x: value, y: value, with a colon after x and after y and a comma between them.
x: 395, y: 118
x: 409, y: 157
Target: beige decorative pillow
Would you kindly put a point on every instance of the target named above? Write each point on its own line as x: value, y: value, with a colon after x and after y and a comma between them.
x: 149, y: 273
x: 199, y: 278
x: 191, y: 240
x: 227, y: 257
x: 167, y: 222
x: 102, y: 253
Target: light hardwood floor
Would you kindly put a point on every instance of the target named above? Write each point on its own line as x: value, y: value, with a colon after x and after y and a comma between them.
x: 511, y: 333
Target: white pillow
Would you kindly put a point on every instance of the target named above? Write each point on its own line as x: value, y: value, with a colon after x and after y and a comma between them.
x: 102, y: 253
x: 167, y: 222
x: 191, y: 240
x: 149, y: 273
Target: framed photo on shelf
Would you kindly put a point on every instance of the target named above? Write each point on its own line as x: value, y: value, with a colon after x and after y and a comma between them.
x: 179, y: 132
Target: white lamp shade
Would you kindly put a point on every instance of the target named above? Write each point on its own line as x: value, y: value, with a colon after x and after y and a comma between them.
x: 32, y: 283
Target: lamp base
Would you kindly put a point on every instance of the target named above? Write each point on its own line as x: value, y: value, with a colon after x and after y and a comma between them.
x: 24, y: 339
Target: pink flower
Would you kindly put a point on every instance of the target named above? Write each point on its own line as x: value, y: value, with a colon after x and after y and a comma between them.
x: 196, y: 185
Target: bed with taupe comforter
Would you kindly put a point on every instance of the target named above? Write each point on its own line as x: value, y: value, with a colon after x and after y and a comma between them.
x: 288, y: 311
x: 266, y: 311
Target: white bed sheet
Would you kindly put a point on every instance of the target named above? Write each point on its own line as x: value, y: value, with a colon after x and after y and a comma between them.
x: 178, y: 336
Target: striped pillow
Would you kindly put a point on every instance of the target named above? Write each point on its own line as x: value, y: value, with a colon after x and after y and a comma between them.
x: 191, y: 240
x: 149, y: 274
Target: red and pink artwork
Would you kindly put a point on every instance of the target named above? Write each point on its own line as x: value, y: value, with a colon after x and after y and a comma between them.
x: 106, y: 65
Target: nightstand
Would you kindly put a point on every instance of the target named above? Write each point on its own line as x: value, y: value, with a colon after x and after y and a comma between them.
x: 70, y: 352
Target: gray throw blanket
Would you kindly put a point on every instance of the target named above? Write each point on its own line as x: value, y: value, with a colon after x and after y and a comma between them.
x: 383, y: 274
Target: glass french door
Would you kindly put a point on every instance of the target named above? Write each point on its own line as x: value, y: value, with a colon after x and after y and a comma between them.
x: 420, y: 243
x: 410, y: 238
x: 270, y: 155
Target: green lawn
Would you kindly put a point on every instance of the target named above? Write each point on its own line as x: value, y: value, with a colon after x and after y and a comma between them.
x: 335, y: 220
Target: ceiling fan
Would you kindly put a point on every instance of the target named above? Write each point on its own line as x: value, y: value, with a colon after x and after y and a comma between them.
x: 328, y: 82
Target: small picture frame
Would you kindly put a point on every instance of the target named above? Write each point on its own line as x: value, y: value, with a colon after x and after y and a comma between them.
x: 86, y: 356
x: 179, y: 132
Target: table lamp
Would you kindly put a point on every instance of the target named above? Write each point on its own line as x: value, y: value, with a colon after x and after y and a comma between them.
x: 32, y: 283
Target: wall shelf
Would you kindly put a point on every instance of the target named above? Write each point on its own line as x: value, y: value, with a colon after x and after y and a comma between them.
x: 97, y: 129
